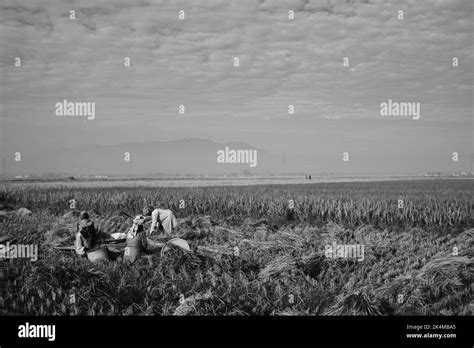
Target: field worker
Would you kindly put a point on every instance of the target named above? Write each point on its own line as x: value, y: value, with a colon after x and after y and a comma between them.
x: 86, y: 236
x: 160, y: 217
x: 136, y: 242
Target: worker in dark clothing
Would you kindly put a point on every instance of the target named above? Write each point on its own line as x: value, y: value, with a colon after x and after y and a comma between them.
x: 87, y: 235
x: 136, y: 242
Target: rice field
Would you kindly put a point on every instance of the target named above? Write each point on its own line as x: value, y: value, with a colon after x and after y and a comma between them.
x: 256, y: 250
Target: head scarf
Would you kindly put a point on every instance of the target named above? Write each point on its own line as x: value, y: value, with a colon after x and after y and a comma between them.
x: 147, y: 210
x: 85, y: 228
x: 138, y: 225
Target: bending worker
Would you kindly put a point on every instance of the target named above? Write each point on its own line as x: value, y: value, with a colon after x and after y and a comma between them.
x: 160, y: 217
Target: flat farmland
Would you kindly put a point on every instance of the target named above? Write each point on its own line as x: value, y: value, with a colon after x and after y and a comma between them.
x: 340, y: 248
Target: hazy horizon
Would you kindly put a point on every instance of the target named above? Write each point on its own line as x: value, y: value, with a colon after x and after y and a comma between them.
x: 282, y: 62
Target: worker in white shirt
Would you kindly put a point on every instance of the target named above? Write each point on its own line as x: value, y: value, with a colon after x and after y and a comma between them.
x: 160, y: 217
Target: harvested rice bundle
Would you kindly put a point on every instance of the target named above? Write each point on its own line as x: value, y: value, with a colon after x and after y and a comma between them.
x: 446, y: 264
x: 314, y: 263
x: 404, y: 285
x: 467, y: 252
x: 192, y: 228
x: 3, y: 216
x: 290, y: 312
x: 227, y: 232
x: 335, y: 231
x: 438, y: 280
x: 263, y: 246
x: 201, y: 221
x: 310, y: 232
x: 412, y: 237
x: 237, y: 312
x: 445, y: 274
x: 292, y: 237
x: 250, y: 227
x: 215, y: 250
x: 189, y: 303
x: 261, y: 234
x: 288, y: 239
x: 465, y: 238
x: 262, y: 222
x: 370, y: 237
x: 233, y: 220
x: 62, y: 232
x: 357, y: 303
x: 176, y: 257
x: 278, y: 268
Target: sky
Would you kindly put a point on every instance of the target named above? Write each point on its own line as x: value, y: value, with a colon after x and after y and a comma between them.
x: 283, y: 62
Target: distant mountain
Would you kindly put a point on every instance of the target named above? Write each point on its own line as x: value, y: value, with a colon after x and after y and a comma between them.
x: 186, y: 156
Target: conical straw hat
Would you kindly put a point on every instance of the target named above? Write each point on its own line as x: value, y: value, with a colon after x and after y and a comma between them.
x: 181, y: 243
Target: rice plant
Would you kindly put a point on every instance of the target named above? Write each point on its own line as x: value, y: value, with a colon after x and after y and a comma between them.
x: 418, y: 254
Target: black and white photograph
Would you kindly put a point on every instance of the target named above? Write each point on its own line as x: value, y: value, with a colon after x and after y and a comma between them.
x: 289, y: 160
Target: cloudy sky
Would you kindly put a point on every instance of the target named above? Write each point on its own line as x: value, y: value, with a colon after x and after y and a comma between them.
x: 282, y: 62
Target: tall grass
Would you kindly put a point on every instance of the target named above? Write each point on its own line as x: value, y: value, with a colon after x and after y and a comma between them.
x: 409, y: 251
x: 434, y: 205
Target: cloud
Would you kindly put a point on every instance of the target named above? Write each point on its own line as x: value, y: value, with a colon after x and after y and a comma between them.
x: 190, y: 61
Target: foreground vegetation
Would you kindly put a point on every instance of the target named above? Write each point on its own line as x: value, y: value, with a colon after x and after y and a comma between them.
x: 417, y: 237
